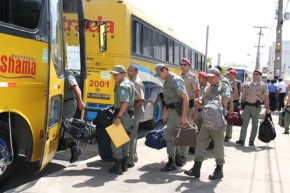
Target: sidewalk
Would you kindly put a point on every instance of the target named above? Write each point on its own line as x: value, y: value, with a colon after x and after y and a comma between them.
x: 264, y: 168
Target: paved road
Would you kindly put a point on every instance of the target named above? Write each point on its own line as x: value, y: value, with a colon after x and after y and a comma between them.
x: 27, y: 172
x: 263, y: 168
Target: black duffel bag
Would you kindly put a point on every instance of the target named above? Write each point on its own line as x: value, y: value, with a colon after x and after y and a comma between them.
x: 267, y: 129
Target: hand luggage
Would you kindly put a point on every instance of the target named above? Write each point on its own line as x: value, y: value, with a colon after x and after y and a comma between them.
x: 235, y: 119
x: 185, y: 136
x: 267, y: 129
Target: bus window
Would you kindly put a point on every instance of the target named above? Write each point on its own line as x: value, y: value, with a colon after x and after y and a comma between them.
x: 176, y: 53
x: 147, y: 41
x: 56, y: 43
x: 182, y: 52
x: 170, y: 51
x: 159, y: 47
x: 137, y: 42
x: 22, y: 13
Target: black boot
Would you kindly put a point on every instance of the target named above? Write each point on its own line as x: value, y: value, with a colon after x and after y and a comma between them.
x: 191, y: 150
x: 178, y: 161
x: 117, y: 167
x: 211, y: 145
x: 75, y: 152
x: 195, y: 170
x: 170, y: 165
x: 124, y: 164
x: 217, y: 173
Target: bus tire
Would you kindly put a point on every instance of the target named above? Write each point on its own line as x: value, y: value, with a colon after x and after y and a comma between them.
x: 5, y: 149
x: 157, y: 113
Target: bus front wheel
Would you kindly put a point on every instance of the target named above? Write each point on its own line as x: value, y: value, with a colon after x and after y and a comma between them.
x: 157, y: 113
x: 7, y: 165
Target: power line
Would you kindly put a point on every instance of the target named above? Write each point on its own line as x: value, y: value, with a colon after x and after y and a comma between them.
x: 269, y: 32
x: 286, y: 6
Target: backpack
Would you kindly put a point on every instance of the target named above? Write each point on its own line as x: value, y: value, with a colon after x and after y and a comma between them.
x: 212, y: 115
x: 267, y: 130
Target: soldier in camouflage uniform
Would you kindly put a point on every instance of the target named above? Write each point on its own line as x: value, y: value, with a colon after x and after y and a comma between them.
x: 255, y: 93
x: 123, y: 105
x: 175, y: 110
x: 222, y: 91
x: 238, y: 89
x: 192, y: 89
x: 139, y: 112
x: 72, y: 101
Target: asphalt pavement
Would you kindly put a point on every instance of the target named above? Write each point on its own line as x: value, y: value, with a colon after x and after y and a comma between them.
x: 263, y: 168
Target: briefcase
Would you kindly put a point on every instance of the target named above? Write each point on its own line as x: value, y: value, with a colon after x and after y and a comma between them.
x: 235, y: 119
x: 185, y: 136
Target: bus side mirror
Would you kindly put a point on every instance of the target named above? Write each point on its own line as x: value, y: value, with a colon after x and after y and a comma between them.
x: 102, y: 26
x: 103, y: 37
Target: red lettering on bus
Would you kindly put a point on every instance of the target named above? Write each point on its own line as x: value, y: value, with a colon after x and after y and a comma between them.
x: 72, y: 25
x: 17, y: 65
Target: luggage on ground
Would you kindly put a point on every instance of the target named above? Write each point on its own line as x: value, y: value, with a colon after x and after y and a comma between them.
x: 104, y: 119
x: 267, y: 130
x: 156, y: 138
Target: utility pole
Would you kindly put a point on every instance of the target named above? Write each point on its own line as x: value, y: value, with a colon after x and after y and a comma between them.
x: 278, y: 46
x: 206, y: 49
x: 258, y: 48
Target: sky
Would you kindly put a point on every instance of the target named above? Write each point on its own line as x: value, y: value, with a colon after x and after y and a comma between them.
x: 231, y: 23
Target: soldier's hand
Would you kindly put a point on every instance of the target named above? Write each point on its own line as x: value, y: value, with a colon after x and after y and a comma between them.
x: 164, y: 117
x: 81, y: 106
x: 184, y: 122
x: 193, y: 115
x: 117, y: 121
x: 231, y: 111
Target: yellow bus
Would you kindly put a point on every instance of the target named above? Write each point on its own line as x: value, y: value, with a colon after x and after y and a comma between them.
x: 33, y: 56
x: 132, y: 39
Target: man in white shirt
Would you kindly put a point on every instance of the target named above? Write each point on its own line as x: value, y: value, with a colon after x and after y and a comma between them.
x: 281, y: 93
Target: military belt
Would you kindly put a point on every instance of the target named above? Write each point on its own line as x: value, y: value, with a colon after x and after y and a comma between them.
x: 70, y: 99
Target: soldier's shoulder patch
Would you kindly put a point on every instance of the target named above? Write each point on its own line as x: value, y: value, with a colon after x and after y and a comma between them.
x: 227, y: 90
x: 180, y: 89
x: 178, y: 83
x: 123, y: 91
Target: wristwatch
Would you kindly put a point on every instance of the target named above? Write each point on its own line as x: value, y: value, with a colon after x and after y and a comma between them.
x: 119, y: 116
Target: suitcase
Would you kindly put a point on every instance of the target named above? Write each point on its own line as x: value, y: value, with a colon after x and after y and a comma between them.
x: 281, y: 118
x: 104, y: 119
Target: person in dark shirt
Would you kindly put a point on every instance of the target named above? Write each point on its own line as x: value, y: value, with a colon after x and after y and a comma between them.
x: 273, y: 91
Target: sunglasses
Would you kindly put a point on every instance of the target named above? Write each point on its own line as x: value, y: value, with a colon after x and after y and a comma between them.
x: 183, y: 64
x: 256, y: 74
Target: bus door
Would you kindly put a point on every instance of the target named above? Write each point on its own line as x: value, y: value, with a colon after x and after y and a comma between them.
x: 55, y: 83
x: 67, y: 50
